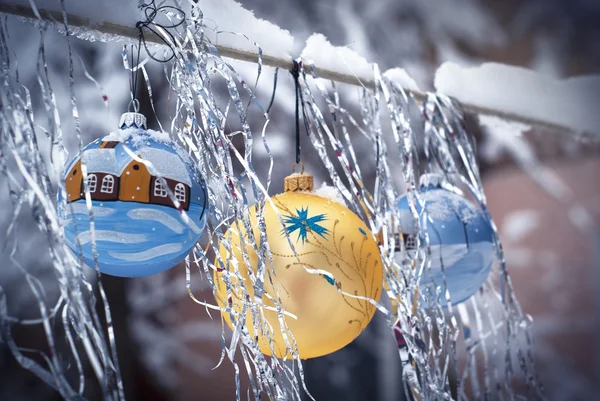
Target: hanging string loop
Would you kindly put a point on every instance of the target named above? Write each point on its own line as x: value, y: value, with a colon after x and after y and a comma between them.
x: 160, y: 30
x: 134, y: 105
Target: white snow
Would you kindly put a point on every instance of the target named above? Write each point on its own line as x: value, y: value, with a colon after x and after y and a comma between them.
x: 165, y: 164
x: 101, y: 161
x: 156, y: 215
x: 570, y: 102
x: 518, y: 224
x: 139, y: 138
x: 225, y: 16
x: 226, y: 22
x: 330, y: 193
x: 111, y: 236
x: 442, y: 205
x: 155, y: 252
x: 501, y: 136
x: 339, y: 59
x: 123, y: 135
x: 401, y: 77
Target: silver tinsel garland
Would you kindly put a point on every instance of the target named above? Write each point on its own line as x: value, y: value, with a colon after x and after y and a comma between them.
x: 440, y: 362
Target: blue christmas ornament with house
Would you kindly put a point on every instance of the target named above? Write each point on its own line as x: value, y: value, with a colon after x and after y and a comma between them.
x: 148, y: 201
x: 461, y: 240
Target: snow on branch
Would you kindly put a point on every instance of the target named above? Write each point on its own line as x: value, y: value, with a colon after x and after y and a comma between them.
x: 511, y: 93
x: 571, y: 102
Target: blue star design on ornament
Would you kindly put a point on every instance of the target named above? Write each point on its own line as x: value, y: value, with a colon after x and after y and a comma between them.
x: 304, y: 224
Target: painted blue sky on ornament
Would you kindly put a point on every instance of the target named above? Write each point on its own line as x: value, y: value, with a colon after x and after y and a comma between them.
x: 304, y: 224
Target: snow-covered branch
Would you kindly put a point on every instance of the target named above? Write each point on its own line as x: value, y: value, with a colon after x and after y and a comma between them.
x: 511, y: 93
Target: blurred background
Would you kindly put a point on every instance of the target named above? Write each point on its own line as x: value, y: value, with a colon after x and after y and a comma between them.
x: 168, y: 346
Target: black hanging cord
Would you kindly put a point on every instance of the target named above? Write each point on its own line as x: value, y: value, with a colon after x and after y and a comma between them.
x: 299, y: 104
x: 274, y: 90
x: 132, y: 78
x: 295, y: 73
x: 151, y: 11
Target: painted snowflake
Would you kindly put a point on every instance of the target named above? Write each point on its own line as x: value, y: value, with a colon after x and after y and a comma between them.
x: 304, y: 224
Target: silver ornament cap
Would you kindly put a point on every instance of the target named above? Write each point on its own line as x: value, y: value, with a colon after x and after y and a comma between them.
x: 432, y: 179
x: 132, y: 120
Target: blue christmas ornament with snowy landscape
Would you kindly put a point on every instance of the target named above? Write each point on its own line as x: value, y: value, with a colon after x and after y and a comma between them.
x: 148, y: 201
x: 460, y: 237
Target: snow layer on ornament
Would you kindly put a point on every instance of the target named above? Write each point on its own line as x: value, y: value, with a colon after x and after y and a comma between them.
x: 123, y: 135
x: 339, y: 59
x: 165, y: 164
x: 330, y: 193
x: 570, y: 102
x: 443, y: 205
x: 101, y: 161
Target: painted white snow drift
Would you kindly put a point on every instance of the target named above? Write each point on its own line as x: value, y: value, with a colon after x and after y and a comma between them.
x: 110, y: 236
x: 156, y: 215
x: 160, y: 250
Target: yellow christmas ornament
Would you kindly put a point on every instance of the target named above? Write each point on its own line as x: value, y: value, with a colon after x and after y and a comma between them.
x: 337, y: 261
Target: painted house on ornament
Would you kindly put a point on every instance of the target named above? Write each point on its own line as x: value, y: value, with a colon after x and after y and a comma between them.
x: 133, y: 181
x: 409, y: 240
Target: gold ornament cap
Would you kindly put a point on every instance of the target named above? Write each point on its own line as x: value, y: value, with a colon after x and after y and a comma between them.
x: 298, y: 181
